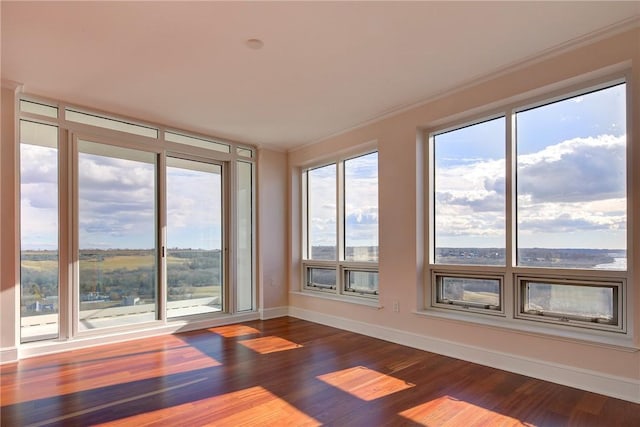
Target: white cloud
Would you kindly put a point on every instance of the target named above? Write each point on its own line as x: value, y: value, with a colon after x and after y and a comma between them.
x: 575, y: 188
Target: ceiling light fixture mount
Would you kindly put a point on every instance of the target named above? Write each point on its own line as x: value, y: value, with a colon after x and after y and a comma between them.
x: 255, y: 44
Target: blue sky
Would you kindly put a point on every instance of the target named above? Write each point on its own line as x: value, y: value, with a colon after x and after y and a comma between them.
x: 117, y: 198
x: 570, y: 177
x: 571, y: 186
x: 361, y: 203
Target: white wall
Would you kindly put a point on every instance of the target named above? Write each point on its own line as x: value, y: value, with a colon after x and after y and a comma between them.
x: 607, y: 369
x: 9, y: 237
x: 272, y: 241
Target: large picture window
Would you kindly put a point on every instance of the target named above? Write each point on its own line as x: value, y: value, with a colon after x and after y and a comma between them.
x: 532, y: 206
x: 469, y: 201
x: 341, y: 227
x: 571, y: 182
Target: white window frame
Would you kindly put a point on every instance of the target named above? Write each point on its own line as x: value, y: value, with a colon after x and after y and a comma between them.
x: 340, y: 266
x: 618, y: 287
x: 69, y: 133
x: 469, y: 307
x: 511, y: 316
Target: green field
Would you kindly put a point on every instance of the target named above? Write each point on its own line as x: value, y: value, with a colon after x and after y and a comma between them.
x: 110, y: 277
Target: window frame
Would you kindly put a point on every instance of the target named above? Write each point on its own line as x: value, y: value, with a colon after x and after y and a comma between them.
x: 340, y: 265
x: 346, y: 270
x: 70, y: 132
x: 618, y: 287
x: 620, y: 334
x: 76, y: 141
x: 470, y: 307
x: 60, y: 148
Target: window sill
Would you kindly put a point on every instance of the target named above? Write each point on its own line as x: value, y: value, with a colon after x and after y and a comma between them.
x: 617, y: 341
x: 369, y: 302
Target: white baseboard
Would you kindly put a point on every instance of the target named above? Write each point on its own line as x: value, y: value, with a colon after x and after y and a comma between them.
x: 597, y: 382
x: 8, y: 354
x: 272, y: 313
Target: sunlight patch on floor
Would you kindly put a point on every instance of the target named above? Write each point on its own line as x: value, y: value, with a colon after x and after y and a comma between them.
x: 87, y: 371
x: 365, y: 383
x: 231, y: 331
x: 251, y: 406
x: 449, y: 411
x: 266, y: 345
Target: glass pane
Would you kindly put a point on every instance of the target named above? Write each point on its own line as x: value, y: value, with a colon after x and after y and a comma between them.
x: 321, y: 278
x: 484, y: 293
x: 194, y: 238
x: 37, y: 108
x: 469, y: 189
x: 244, y: 152
x: 39, y: 294
x: 322, y: 213
x: 588, y: 303
x: 363, y: 282
x: 571, y: 166
x: 108, y: 123
x: 117, y: 235
x: 197, y: 142
x: 244, y: 252
x: 361, y: 208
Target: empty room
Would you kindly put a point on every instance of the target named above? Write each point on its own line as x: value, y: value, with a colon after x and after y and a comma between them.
x: 320, y: 213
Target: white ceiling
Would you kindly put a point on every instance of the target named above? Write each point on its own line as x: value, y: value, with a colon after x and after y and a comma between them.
x: 325, y: 67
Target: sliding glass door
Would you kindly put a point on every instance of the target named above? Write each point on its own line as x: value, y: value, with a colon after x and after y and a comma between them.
x: 116, y: 237
x: 195, y: 251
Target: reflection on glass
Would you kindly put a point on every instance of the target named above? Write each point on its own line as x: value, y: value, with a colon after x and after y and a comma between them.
x: 324, y: 278
x: 571, y: 182
x: 39, y: 295
x: 361, y: 208
x: 195, y: 267
x: 244, y: 252
x: 321, y: 213
x: 362, y: 282
x: 117, y: 243
x: 469, y: 185
x: 481, y: 293
x: 587, y: 303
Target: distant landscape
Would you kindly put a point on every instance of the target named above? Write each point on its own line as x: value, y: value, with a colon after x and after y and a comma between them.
x: 536, y: 257
x: 528, y: 257
x: 110, y: 278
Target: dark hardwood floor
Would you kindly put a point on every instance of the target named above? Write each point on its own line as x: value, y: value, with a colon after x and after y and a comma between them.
x: 285, y: 372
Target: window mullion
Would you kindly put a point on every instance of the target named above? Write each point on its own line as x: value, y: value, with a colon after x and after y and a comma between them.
x: 509, y: 293
x: 161, y: 233
x: 340, y: 223
x: 340, y: 211
x: 65, y: 236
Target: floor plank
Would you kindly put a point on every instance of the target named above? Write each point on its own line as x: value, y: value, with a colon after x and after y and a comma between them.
x: 285, y: 371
